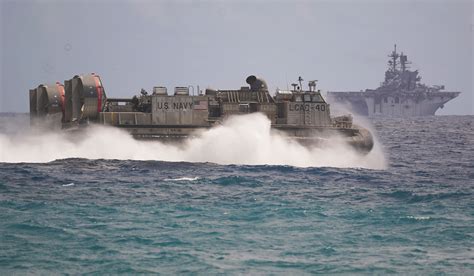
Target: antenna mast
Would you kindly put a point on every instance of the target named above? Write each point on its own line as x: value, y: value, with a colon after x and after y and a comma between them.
x: 394, y: 59
x: 300, y: 79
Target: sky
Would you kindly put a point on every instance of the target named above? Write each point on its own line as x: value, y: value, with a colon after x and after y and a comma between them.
x: 140, y: 44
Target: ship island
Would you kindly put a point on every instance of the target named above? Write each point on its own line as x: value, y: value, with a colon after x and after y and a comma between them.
x: 400, y: 95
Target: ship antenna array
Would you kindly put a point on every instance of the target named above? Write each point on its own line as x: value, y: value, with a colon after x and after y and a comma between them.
x: 393, y: 62
x: 404, y: 62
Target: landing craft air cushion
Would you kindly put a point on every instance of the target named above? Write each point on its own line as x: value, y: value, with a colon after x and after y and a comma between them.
x: 301, y: 115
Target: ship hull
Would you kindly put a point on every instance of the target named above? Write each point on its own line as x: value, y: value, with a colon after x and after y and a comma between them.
x: 358, y: 138
x: 392, y: 103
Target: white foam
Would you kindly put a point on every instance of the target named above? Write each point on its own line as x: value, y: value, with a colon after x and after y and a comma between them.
x: 419, y: 217
x: 182, y: 179
x: 240, y: 140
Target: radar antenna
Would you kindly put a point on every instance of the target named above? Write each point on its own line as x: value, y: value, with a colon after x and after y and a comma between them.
x: 404, y: 62
x: 294, y: 86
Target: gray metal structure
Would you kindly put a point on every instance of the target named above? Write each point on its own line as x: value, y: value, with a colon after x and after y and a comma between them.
x: 302, y: 115
x: 400, y: 95
x: 47, y: 105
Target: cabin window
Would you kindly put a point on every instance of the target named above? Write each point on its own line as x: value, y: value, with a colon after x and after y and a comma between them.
x: 317, y: 99
x: 298, y: 99
x: 307, y: 98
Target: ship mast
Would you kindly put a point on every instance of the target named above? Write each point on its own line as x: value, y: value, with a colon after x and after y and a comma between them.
x: 394, y: 59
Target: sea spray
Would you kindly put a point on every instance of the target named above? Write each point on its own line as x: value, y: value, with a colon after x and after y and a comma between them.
x: 239, y: 140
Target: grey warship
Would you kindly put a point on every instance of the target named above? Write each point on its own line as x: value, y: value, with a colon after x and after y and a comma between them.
x: 301, y: 115
x: 400, y: 95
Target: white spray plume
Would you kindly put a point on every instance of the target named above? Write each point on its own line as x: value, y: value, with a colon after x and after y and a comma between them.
x: 239, y: 140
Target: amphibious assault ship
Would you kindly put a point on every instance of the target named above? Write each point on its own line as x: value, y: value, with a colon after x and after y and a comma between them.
x: 400, y: 95
x: 301, y: 115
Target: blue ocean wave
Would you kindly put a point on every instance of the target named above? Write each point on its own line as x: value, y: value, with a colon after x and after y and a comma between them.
x: 77, y: 216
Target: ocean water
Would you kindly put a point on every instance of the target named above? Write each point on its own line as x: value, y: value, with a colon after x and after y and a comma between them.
x: 239, y: 201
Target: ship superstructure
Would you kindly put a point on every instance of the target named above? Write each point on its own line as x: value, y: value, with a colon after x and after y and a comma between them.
x: 400, y: 95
